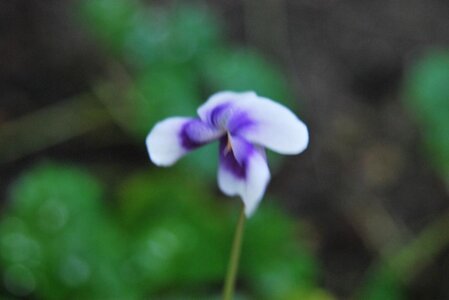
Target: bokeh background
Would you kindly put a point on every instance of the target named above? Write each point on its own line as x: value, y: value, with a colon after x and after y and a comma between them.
x: 362, y: 214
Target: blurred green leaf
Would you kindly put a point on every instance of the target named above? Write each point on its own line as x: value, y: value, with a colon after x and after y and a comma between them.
x: 171, y: 36
x: 147, y: 198
x: 313, y: 294
x: 169, y: 235
x: 173, y: 216
x: 437, y: 142
x: 195, y: 31
x: 173, y: 212
x: 110, y: 20
x: 143, y: 36
x: 383, y: 285
x: 427, y: 87
x: 243, y: 70
x: 427, y: 96
x: 203, y: 161
x: 163, y: 92
x: 57, y: 232
x: 273, y: 259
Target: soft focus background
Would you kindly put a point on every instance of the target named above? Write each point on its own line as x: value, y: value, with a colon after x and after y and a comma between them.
x: 362, y: 214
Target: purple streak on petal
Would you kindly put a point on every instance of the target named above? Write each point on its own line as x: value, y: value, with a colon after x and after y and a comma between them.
x: 236, y: 160
x: 241, y: 149
x: 229, y: 117
x: 218, y: 116
x: 239, y: 121
x: 228, y: 161
x: 196, y: 133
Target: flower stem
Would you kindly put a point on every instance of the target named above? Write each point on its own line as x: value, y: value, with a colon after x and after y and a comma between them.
x: 233, y: 265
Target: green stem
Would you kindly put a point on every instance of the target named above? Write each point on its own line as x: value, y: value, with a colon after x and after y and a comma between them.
x: 233, y: 265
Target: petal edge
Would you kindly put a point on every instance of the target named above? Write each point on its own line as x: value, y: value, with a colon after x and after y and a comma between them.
x: 164, y: 144
x: 275, y: 127
x: 247, y: 178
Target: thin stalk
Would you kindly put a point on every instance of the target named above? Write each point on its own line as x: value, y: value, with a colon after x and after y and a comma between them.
x: 407, y: 262
x: 228, y: 291
x: 50, y: 126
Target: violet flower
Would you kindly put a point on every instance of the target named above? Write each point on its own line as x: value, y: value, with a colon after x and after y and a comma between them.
x: 243, y: 123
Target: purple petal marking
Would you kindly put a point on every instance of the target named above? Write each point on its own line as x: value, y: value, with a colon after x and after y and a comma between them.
x: 219, y: 115
x: 238, y: 121
x: 228, y: 161
x: 196, y: 133
x: 235, y: 160
x: 229, y: 117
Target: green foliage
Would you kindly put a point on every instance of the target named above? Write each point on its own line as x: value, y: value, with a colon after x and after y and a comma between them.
x: 170, y: 36
x: 110, y: 20
x: 243, y: 70
x: 275, y: 262
x: 427, y: 96
x: 167, y: 238
x: 56, y: 240
x: 143, y: 36
x: 189, y: 219
x: 291, y: 268
x: 163, y: 93
x: 188, y: 211
x: 383, y: 285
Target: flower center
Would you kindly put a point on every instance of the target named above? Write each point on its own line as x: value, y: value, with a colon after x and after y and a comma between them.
x: 228, y: 147
x: 220, y: 115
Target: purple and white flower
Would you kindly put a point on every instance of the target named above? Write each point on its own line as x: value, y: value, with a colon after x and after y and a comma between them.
x: 244, y: 124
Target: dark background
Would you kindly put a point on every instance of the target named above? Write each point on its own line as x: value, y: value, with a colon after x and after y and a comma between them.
x: 364, y: 183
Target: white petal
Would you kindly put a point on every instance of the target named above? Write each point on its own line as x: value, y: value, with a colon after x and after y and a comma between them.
x: 217, y: 99
x: 275, y: 127
x: 163, y: 142
x: 250, y: 187
x: 258, y: 178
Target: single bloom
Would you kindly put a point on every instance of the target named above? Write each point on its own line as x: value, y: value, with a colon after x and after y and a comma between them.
x: 244, y: 124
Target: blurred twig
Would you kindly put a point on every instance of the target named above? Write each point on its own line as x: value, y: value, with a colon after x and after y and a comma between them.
x: 112, y: 93
x: 379, y: 230
x: 50, y: 126
x: 69, y: 118
x: 408, y: 261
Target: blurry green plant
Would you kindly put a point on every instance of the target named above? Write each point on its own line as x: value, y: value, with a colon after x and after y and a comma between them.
x: 166, y: 238
x: 427, y: 97
x: 56, y: 241
x: 275, y: 263
x: 383, y: 284
x: 177, y: 57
